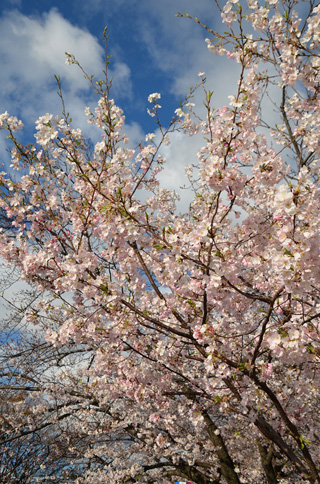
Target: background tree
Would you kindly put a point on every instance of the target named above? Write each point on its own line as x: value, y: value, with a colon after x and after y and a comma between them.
x: 198, y: 332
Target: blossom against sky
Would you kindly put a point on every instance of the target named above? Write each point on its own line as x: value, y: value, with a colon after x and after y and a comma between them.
x: 152, y: 51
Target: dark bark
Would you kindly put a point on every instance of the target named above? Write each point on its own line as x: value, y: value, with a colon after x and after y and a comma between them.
x: 268, y: 431
x: 313, y: 474
x: 226, y: 463
x: 266, y: 456
x: 194, y: 474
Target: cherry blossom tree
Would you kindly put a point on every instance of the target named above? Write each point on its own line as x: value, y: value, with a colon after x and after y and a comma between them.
x: 188, y: 343
x: 31, y: 446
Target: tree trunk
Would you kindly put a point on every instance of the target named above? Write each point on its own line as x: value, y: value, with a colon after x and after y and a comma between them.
x: 226, y: 463
x: 266, y: 456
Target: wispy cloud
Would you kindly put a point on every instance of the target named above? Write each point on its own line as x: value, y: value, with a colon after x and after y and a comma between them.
x: 33, y: 49
x: 14, y: 3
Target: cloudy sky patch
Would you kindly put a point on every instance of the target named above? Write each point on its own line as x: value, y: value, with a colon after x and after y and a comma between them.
x: 152, y: 51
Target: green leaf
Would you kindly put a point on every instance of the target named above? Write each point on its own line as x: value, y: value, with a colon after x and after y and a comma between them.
x: 310, y: 348
x: 209, y: 96
x: 105, y: 288
x: 303, y: 441
x: 287, y: 252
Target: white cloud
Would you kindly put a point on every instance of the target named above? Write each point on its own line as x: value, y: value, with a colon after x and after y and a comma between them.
x: 33, y: 49
x: 177, y: 47
x: 135, y: 133
x: 181, y: 151
x: 174, y: 47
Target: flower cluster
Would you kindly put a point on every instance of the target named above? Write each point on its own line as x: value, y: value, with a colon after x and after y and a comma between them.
x: 202, y: 328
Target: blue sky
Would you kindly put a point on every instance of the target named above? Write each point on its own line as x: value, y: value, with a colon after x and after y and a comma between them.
x: 152, y: 51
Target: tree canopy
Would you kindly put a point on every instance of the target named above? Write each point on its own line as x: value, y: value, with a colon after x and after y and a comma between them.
x: 161, y: 345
